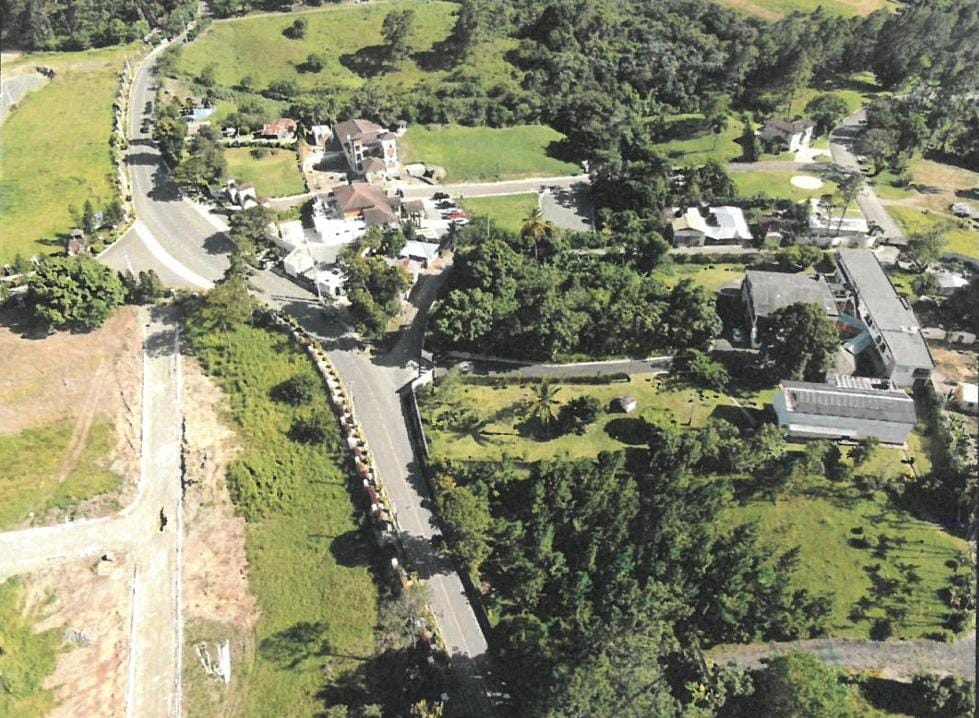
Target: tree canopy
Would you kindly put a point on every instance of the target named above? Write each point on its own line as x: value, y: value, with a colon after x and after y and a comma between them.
x: 801, y: 342
x: 74, y: 293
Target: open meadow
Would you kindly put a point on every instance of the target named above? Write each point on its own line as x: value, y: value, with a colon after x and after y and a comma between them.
x: 274, y: 172
x: 487, y: 153
x: 54, y: 149
x: 776, y: 9
x: 509, y: 211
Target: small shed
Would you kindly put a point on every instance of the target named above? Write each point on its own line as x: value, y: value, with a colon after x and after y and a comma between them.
x: 626, y: 404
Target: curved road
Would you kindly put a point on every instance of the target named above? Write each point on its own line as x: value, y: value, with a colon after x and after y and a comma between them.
x: 188, y: 249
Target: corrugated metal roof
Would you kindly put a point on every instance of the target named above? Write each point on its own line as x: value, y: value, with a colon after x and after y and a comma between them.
x: 826, y: 400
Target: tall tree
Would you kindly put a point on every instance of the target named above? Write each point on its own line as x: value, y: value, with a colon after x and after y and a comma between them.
x: 544, y: 404
x: 397, y: 30
x: 925, y: 247
x: 799, y: 685
x: 847, y: 191
x: 801, y: 341
x: 74, y: 293
x: 826, y: 111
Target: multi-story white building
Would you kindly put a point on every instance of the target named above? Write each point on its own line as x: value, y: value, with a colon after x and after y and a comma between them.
x: 362, y: 140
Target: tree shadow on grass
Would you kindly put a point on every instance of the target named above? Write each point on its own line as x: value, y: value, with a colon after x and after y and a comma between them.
x: 295, y: 645
x: 368, y: 62
x: 633, y: 431
x: 350, y: 549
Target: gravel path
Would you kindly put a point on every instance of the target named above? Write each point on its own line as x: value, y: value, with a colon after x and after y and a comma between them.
x: 896, y: 660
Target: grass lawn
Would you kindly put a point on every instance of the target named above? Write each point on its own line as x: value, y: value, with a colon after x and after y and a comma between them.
x: 508, y: 211
x: 709, y: 276
x: 349, y: 39
x: 961, y: 238
x: 309, y: 560
x: 502, y: 426
x: 26, y: 658
x: 697, y: 147
x: 775, y: 9
x: 837, y: 529
x: 54, y: 150
x: 276, y: 174
x: 486, y: 153
x: 777, y: 185
x: 32, y: 460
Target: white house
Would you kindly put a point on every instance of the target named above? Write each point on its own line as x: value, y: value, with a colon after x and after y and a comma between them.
x: 322, y: 134
x: 845, y: 407
x: 421, y: 252
x: 722, y: 225
x: 793, y: 134
x: 362, y: 139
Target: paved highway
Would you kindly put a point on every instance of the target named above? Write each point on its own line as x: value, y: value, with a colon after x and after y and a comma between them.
x: 188, y: 249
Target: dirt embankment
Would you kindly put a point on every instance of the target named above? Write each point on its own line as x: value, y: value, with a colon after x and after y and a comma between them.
x: 217, y: 602
x: 78, y: 380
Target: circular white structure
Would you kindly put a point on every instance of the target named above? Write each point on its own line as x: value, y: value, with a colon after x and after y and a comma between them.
x: 806, y: 182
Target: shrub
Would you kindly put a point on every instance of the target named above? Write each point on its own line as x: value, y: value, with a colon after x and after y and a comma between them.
x: 578, y: 414
x: 296, y: 390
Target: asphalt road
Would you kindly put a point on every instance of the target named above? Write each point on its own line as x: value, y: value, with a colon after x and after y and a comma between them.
x: 13, y: 89
x: 841, y: 147
x: 153, y: 687
x: 188, y: 249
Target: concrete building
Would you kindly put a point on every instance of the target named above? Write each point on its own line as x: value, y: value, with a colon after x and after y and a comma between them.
x: 764, y: 293
x: 788, y: 135
x: 899, y: 349
x: 366, y: 202
x: 362, y: 140
x: 722, y: 225
x: 851, y: 408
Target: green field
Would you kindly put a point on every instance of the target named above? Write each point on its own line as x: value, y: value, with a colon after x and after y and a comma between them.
x: 486, y: 153
x: 709, y: 276
x: 775, y: 9
x: 777, y: 185
x: 32, y: 458
x: 500, y: 425
x: 961, y: 239
x: 309, y: 562
x: 275, y: 174
x: 828, y: 522
x: 26, y: 657
x: 54, y: 150
x: 700, y: 145
x: 508, y: 211
x: 349, y: 38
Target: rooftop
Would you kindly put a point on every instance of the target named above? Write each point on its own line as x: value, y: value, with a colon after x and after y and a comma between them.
x: 771, y: 291
x: 797, y: 125
x: 357, y: 129
x: 421, y: 250
x: 888, y: 405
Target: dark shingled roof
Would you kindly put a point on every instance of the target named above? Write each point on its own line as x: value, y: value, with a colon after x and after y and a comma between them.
x: 890, y: 405
x: 771, y: 291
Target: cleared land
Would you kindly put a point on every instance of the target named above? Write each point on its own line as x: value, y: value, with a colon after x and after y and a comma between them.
x: 69, y: 419
x: 275, y: 173
x: 487, y: 153
x: 309, y: 562
x: 508, y: 211
x: 54, y: 149
x: 348, y: 38
x: 959, y: 235
x: 776, y: 9
x: 709, y: 276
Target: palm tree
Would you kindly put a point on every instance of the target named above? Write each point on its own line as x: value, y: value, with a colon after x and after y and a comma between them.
x: 545, y: 401
x: 535, y: 229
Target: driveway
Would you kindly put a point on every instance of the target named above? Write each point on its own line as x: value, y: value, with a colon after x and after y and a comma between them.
x: 842, y: 148
x: 569, y: 208
x: 153, y: 687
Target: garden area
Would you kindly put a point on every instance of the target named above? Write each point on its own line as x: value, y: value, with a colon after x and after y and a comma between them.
x: 273, y: 171
x: 55, y: 148
x: 509, y: 211
x: 486, y: 153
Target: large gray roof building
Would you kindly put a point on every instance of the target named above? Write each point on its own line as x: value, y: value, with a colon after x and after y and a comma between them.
x: 900, y: 348
x: 766, y: 292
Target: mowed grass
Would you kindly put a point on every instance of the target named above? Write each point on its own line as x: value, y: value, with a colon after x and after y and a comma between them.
x: 26, y: 658
x: 486, y: 153
x: 960, y: 237
x: 776, y: 9
x: 54, y: 150
x: 32, y: 459
x: 502, y: 425
x: 777, y: 185
x: 830, y: 523
x: 348, y: 38
x: 699, y: 146
x: 275, y: 174
x: 308, y: 559
x: 709, y: 276
x: 508, y: 212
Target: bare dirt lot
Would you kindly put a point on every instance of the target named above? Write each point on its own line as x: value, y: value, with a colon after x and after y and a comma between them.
x: 217, y: 603
x: 89, y: 603
x: 76, y: 381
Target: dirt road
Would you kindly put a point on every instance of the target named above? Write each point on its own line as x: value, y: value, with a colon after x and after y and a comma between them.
x: 153, y: 686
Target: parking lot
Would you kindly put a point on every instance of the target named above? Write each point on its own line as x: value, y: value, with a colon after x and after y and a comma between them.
x: 568, y: 208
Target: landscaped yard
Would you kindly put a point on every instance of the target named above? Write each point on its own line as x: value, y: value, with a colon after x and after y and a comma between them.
x: 467, y: 421
x: 309, y: 561
x: 26, y: 658
x: 348, y: 38
x: 778, y: 185
x: 698, y: 146
x: 32, y: 461
x: 275, y: 172
x: 960, y: 237
x: 508, y: 211
x: 55, y: 150
x: 486, y: 153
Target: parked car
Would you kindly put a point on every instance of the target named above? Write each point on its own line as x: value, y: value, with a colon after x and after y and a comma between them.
x: 737, y: 334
